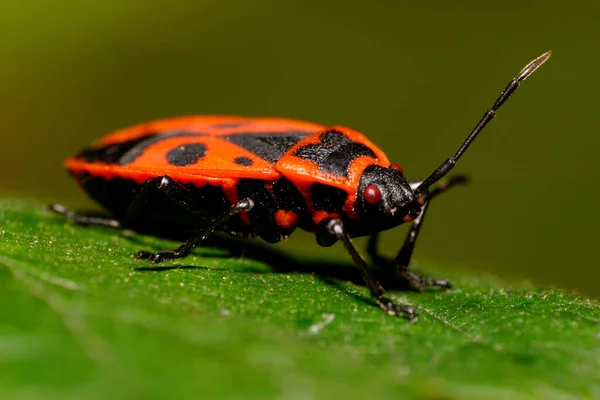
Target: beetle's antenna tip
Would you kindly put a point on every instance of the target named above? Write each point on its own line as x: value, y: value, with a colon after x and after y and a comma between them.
x: 533, y: 66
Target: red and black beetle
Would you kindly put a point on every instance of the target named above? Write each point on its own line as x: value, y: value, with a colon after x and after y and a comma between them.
x: 263, y: 177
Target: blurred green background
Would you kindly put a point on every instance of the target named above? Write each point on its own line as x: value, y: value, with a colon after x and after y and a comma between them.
x: 414, y: 76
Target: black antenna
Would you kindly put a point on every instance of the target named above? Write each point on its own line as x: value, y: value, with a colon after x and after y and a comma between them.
x: 443, y: 169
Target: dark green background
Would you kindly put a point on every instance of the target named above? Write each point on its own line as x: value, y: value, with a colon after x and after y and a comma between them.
x: 413, y: 76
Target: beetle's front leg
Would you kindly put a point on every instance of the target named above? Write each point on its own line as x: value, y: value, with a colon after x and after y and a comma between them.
x: 402, y: 260
x: 404, y: 256
x: 334, y: 229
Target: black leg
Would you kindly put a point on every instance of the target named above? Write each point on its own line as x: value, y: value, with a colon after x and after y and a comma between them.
x: 373, y: 242
x: 154, y: 196
x: 84, y: 220
x: 335, y: 227
x: 135, y: 213
x: 186, y: 248
x: 402, y: 260
x: 404, y: 256
x: 173, y: 194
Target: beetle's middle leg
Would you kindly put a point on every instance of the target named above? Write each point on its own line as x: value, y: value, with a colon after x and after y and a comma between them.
x: 186, y: 248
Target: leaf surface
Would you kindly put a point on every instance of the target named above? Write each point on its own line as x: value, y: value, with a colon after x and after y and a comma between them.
x: 81, y: 318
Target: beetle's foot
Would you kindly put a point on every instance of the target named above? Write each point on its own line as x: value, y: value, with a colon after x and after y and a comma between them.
x: 400, y: 310
x: 419, y: 283
x: 156, y: 257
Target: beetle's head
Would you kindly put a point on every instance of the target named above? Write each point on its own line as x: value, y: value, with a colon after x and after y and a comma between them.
x: 384, y: 198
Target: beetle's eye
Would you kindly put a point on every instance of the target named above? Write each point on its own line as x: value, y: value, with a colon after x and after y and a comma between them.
x: 396, y: 167
x: 372, y: 195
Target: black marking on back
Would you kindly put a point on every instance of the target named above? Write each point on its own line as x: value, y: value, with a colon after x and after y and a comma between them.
x: 328, y: 198
x: 269, y: 146
x: 243, y: 161
x: 124, y: 153
x: 112, y: 153
x: 186, y: 154
x: 334, y: 153
x: 334, y: 138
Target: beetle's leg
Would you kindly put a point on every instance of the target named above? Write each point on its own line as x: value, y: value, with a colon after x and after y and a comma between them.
x: 152, y: 197
x: 138, y: 207
x: 84, y: 220
x: 402, y: 260
x: 186, y: 248
x: 335, y: 227
x: 404, y: 256
x: 373, y: 242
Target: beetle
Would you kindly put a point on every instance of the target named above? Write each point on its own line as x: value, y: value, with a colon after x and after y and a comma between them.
x: 264, y: 177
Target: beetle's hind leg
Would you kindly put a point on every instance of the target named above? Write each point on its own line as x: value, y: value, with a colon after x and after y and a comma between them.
x: 401, y: 262
x: 133, y: 214
x: 84, y: 220
x: 186, y: 248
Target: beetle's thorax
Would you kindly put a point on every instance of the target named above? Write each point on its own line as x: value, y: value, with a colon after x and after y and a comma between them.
x: 383, y: 199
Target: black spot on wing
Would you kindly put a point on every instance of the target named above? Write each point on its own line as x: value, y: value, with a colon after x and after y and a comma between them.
x: 269, y: 146
x: 243, y: 161
x: 186, y: 154
x: 123, y: 153
x: 334, y: 153
x: 137, y: 151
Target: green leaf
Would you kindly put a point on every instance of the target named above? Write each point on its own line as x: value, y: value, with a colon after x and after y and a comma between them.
x: 81, y: 318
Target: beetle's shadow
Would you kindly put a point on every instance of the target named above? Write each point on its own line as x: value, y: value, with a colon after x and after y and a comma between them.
x: 331, y: 273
